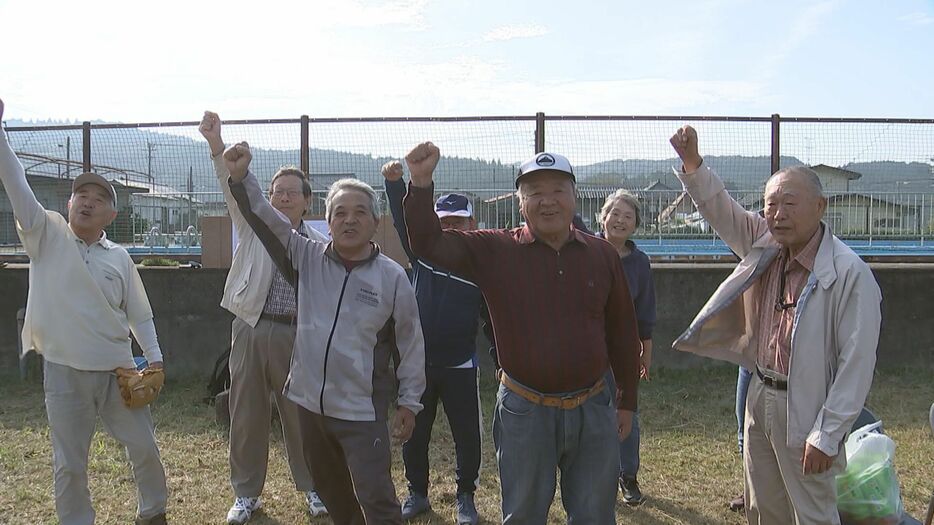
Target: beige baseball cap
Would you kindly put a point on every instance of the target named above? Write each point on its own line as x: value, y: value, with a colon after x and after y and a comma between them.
x: 94, y: 178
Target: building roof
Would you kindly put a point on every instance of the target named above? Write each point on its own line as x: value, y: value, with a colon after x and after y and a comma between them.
x: 823, y: 168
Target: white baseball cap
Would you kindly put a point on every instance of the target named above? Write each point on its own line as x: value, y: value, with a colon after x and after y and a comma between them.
x: 545, y: 162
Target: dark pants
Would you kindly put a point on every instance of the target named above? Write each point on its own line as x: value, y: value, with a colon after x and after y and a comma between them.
x: 456, y: 388
x: 350, y: 463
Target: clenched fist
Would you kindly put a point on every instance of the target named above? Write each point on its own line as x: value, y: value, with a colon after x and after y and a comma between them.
x: 685, y: 143
x: 1, y: 109
x: 237, y: 158
x: 422, y: 161
x: 392, y: 170
x: 210, y: 129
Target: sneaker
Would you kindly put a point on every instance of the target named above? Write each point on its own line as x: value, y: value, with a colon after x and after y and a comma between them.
x: 414, y: 505
x: 466, y: 510
x: 738, y: 503
x: 315, y: 505
x: 158, y: 519
x: 632, y: 496
x: 242, y: 510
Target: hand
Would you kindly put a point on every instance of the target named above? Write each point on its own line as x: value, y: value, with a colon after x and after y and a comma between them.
x: 157, y: 365
x: 237, y: 158
x: 210, y: 129
x: 685, y: 143
x: 1, y: 109
x: 814, y: 461
x: 623, y: 423
x: 646, y: 359
x: 392, y: 170
x: 422, y: 161
x: 403, y: 423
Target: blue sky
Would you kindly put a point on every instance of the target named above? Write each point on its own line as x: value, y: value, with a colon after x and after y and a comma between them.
x: 135, y: 61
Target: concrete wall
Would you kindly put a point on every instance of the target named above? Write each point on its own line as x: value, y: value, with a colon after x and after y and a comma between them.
x: 194, y: 330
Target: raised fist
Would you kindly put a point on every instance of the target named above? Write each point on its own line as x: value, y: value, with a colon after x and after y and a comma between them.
x: 210, y: 129
x: 422, y: 161
x: 237, y: 158
x: 1, y: 109
x: 685, y: 143
x: 392, y: 170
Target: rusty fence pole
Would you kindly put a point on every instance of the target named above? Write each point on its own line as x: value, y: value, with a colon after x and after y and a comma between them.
x: 86, y: 146
x: 539, y: 132
x: 776, y: 149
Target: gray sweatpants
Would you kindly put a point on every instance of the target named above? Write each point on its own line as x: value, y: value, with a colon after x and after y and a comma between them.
x: 259, y: 366
x: 351, y: 463
x: 73, y: 400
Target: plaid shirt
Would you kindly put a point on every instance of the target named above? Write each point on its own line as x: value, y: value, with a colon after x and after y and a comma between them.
x: 281, y: 297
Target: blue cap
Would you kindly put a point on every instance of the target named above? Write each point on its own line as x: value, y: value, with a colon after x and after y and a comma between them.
x: 453, y: 205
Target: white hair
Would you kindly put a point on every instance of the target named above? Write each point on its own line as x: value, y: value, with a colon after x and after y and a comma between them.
x: 810, y: 176
x: 354, y: 185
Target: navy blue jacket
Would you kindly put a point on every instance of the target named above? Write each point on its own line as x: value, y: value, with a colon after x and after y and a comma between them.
x: 449, y: 306
x: 641, y: 287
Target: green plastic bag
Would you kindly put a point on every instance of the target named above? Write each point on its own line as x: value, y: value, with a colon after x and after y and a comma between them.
x: 867, y: 491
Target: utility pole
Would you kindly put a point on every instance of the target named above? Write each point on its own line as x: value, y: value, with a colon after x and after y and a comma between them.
x: 149, y: 148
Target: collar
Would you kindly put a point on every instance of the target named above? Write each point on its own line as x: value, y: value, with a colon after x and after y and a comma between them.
x: 332, y: 254
x: 806, y: 257
x: 525, y: 235
x: 103, y: 242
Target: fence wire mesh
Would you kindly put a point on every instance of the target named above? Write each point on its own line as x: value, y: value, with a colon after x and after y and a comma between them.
x: 877, y: 174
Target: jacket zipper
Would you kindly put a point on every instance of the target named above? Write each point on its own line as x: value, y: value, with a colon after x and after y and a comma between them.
x: 327, y: 351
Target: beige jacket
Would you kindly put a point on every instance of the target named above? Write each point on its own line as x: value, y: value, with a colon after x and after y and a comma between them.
x: 836, y: 326
x: 251, y: 270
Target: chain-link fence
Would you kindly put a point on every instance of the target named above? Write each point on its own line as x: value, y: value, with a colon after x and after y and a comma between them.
x: 877, y: 173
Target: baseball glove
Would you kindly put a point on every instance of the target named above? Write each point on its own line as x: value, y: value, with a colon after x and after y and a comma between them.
x: 138, y: 389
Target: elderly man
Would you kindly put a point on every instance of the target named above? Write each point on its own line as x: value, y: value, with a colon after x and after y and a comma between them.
x: 85, y: 297
x: 262, y: 335
x: 802, y: 311
x: 449, y: 307
x: 358, y: 336
x: 562, y: 315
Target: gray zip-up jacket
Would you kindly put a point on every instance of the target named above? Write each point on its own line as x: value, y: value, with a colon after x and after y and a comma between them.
x: 353, y: 326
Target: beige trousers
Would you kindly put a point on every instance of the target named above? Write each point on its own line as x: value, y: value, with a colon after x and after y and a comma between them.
x: 73, y: 400
x: 777, y: 492
x: 259, y: 366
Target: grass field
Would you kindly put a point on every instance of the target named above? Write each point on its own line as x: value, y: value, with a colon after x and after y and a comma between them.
x: 690, y: 467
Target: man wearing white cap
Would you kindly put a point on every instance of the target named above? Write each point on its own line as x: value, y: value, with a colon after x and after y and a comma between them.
x: 449, y: 307
x: 85, y: 297
x: 562, y: 316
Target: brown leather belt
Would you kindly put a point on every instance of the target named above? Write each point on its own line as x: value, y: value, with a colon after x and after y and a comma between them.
x: 564, y: 402
x: 278, y: 318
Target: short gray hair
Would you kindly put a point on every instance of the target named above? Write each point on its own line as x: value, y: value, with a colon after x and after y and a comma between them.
x: 809, y: 175
x: 354, y: 185
x: 625, y: 196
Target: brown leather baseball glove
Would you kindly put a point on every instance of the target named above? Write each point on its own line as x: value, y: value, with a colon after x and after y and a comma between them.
x: 138, y: 389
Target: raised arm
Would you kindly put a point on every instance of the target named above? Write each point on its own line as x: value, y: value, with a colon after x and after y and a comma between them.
x: 395, y: 191
x: 210, y: 129
x: 271, y: 227
x: 738, y: 228
x: 26, y: 209
x: 459, y: 252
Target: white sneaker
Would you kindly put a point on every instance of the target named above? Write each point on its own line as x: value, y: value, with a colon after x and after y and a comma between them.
x: 242, y: 510
x: 315, y: 505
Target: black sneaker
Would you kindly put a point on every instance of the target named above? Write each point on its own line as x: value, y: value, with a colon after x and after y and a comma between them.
x: 414, y: 505
x: 632, y: 496
x: 466, y: 510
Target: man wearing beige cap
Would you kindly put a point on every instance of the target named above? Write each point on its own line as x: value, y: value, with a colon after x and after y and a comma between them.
x: 85, y: 296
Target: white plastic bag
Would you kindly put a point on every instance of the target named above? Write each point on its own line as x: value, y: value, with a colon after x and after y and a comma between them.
x: 867, y: 492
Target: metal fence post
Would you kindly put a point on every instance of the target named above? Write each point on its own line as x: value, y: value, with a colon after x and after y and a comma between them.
x: 776, y: 150
x: 539, y: 132
x: 304, y: 161
x: 86, y: 132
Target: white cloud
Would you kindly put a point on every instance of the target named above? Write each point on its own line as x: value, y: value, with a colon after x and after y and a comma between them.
x: 918, y: 19
x: 512, y: 32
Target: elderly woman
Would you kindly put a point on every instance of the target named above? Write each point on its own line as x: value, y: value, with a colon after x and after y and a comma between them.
x: 620, y: 218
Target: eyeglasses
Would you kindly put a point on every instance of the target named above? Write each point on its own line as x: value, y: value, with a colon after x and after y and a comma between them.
x: 292, y: 194
x: 780, y: 304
